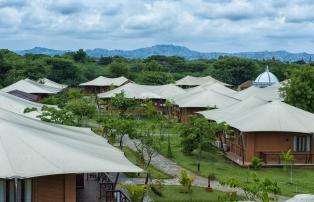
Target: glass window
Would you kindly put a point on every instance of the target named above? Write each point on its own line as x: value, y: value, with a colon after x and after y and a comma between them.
x: 301, y: 143
x: 28, y: 190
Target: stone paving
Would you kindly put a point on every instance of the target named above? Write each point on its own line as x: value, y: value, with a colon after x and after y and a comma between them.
x: 168, y: 166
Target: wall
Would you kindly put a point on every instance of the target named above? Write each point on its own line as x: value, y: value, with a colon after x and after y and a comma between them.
x: 186, y: 112
x: 54, y: 188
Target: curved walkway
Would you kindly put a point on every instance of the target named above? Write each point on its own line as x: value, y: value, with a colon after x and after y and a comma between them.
x: 170, y: 167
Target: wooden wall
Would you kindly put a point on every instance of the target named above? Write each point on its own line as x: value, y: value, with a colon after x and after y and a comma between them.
x: 54, y: 188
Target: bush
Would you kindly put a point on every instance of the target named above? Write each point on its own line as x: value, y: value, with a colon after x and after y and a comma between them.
x: 136, y: 192
x: 186, y: 181
x: 256, y: 163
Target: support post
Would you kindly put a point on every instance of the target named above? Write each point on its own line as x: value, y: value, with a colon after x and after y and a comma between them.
x: 116, y: 181
x: 208, y: 188
x: 242, y: 147
x: 15, y: 189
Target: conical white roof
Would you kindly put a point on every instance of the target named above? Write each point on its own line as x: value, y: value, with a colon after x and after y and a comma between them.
x: 18, y: 105
x: 137, y: 91
x: 275, y: 116
x: 204, y: 98
x: 50, y: 83
x: 233, y: 111
x: 196, y: 81
x: 105, y: 81
x: 269, y: 93
x: 32, y: 87
x: 30, y: 148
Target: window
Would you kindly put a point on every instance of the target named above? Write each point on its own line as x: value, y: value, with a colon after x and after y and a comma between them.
x: 24, y: 190
x: 301, y: 143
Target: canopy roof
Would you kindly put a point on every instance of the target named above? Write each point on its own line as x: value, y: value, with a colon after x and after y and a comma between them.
x: 30, y: 86
x: 233, y: 111
x: 196, y: 81
x: 132, y: 90
x: 26, y: 96
x: 50, y: 83
x: 18, y: 105
x: 269, y: 93
x: 274, y: 116
x: 204, y: 98
x: 218, y: 87
x: 105, y: 81
x: 54, y: 149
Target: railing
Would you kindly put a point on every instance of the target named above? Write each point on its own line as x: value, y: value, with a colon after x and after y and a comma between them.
x: 108, y: 190
x: 236, y: 149
x: 275, y: 158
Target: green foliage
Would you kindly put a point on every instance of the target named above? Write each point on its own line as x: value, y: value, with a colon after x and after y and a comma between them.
x: 120, y: 103
x: 55, y: 115
x: 287, y: 158
x: 257, y: 190
x: 154, y: 78
x: 299, y: 91
x: 136, y: 192
x: 118, y: 68
x: 28, y: 110
x: 81, y: 108
x: 186, y: 181
x: 234, y: 70
x: 169, y: 150
x: 256, y: 163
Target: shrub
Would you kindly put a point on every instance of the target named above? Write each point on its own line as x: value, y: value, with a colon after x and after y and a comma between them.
x: 186, y: 181
x: 256, y: 163
x: 136, y: 192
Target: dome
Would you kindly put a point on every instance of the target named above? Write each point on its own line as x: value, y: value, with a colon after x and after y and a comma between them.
x: 265, y: 79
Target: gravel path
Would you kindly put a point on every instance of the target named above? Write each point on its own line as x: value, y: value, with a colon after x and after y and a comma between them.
x: 170, y: 167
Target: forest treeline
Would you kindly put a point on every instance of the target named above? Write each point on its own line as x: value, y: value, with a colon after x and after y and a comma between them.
x: 73, y: 68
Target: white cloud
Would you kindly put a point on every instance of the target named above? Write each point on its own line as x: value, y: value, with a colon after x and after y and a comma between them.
x: 207, y: 25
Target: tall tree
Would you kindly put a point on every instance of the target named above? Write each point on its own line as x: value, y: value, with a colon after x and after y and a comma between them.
x: 234, y: 70
x: 299, y: 91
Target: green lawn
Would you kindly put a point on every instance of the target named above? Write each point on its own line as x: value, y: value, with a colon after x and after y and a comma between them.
x: 214, y: 162
x: 155, y: 173
x: 174, y: 194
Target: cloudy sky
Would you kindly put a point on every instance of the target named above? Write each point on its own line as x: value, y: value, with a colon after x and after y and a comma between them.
x: 204, y: 25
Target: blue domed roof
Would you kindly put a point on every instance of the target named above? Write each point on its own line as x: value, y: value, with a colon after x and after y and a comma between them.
x: 265, y: 79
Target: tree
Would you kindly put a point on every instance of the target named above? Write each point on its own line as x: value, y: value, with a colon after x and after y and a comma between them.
x: 58, y: 116
x: 120, y: 103
x: 136, y: 192
x: 287, y: 158
x: 118, y: 68
x: 154, y: 78
x: 234, y: 70
x: 195, y: 134
x: 64, y: 71
x: 80, y: 56
x: 299, y: 91
x: 257, y: 190
x: 81, y: 108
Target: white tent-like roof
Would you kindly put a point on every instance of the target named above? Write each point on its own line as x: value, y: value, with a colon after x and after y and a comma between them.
x: 137, y: 91
x: 275, y: 116
x: 218, y: 87
x: 265, y: 79
x: 32, y: 87
x: 18, y: 105
x: 105, y: 81
x: 233, y: 111
x: 197, y: 81
x: 204, y: 98
x: 50, y: 83
x: 269, y: 93
x: 30, y: 148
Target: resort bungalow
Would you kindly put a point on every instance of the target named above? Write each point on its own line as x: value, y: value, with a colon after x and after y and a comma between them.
x: 265, y: 130
x: 157, y: 94
x: 103, y: 84
x: 191, y: 81
x: 32, y: 87
x: 53, y: 84
x: 18, y: 105
x: 40, y: 161
x: 201, y: 99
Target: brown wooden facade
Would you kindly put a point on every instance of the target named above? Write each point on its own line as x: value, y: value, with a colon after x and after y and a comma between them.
x: 268, y: 146
x: 186, y: 112
x: 54, y: 188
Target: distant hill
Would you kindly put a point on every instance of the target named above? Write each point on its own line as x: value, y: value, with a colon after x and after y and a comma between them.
x: 172, y: 50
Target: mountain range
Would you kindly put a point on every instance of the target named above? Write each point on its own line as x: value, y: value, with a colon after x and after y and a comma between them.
x: 173, y: 50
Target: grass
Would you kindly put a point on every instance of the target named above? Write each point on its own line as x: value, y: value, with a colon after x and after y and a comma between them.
x: 213, y: 162
x: 155, y: 173
x: 175, y: 194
